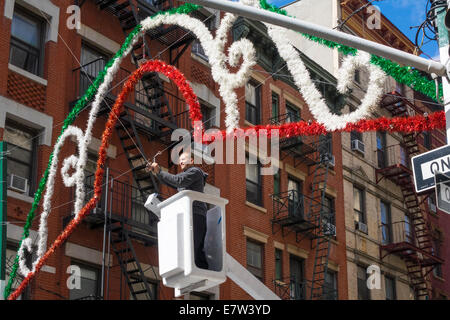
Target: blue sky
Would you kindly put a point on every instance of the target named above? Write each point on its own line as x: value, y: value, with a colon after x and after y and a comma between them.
x: 403, y: 14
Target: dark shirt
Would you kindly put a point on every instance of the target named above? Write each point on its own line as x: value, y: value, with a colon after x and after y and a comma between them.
x: 193, y: 179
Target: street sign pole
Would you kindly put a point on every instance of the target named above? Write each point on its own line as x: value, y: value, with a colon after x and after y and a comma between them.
x: 442, y: 182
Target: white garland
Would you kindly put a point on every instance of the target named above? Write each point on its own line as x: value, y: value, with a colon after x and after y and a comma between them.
x: 228, y: 82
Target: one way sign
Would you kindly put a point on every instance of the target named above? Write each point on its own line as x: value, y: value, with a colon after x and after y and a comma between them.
x: 427, y: 164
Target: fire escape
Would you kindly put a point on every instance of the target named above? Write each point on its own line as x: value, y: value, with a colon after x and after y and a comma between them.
x: 152, y: 113
x: 307, y: 216
x: 411, y: 239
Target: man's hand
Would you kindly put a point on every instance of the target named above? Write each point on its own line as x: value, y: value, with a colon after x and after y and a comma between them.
x: 153, y: 167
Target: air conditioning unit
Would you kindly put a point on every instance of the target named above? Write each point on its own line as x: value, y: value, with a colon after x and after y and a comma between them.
x: 361, y: 226
x: 17, y: 183
x: 329, y: 229
x: 358, y: 145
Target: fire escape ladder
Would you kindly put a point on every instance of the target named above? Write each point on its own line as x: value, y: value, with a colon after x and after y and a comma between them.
x: 129, y: 263
x: 418, y: 258
x: 316, y: 213
x: 417, y: 271
x: 132, y: 146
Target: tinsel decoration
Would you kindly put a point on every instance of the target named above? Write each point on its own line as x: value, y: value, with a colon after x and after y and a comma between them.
x: 417, y: 123
x: 405, y: 75
x: 79, y: 106
x: 195, y: 114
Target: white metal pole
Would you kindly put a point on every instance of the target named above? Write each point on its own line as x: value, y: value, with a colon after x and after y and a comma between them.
x: 398, y: 56
x: 104, y: 234
x: 444, y: 57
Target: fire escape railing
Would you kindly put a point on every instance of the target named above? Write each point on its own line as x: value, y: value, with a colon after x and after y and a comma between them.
x: 84, y: 76
x: 291, y: 288
x: 302, y: 148
x: 125, y: 204
x: 289, y: 211
x: 392, y: 163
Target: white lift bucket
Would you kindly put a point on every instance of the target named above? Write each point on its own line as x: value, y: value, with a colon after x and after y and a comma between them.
x: 176, y: 243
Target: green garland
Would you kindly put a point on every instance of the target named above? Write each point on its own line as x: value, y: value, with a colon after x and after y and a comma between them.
x: 80, y: 105
x: 405, y: 75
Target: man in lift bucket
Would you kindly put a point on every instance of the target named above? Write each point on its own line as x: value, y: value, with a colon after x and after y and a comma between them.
x: 191, y: 178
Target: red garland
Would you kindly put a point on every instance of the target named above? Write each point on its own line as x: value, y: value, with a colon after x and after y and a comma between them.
x: 432, y: 121
x: 411, y: 124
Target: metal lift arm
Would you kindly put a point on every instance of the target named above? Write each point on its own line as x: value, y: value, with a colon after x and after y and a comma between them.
x: 247, y: 281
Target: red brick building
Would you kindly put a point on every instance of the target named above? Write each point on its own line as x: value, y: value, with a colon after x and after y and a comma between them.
x: 274, y: 223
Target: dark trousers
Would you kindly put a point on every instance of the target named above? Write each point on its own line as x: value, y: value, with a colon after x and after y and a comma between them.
x: 199, y: 221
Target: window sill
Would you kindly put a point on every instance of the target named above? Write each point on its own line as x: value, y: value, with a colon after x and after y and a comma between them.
x: 200, y: 59
x: 254, y: 206
x: 27, y: 74
x: 249, y: 124
x: 279, y: 282
x: 20, y: 196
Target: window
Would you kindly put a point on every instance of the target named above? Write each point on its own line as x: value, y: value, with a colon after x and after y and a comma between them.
x: 92, y: 62
x: 275, y: 107
x: 292, y: 112
x: 26, y: 42
x: 408, y: 233
x: 278, y: 264
x: 209, y: 21
x: 295, y: 203
x: 276, y: 183
x: 207, y: 116
x: 404, y: 157
x: 358, y: 205
x: 427, y: 140
x: 355, y: 135
x: 297, y: 283
x: 437, y: 270
x: 385, y: 223
x: 325, y: 147
x: 381, y: 149
x: 89, y: 178
x: 363, y: 290
x: 253, y: 102
x: 89, y: 285
x: 390, y: 288
x: 293, y: 115
x: 253, y: 182
x: 330, y: 286
x: 21, y: 153
x: 255, y: 259
x: 11, y: 252
x: 432, y: 202
x: 328, y: 211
